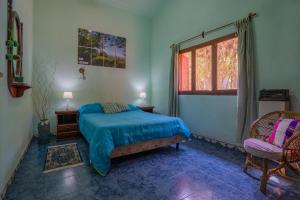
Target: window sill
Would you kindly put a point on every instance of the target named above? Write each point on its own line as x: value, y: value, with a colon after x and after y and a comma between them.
x: 211, y: 93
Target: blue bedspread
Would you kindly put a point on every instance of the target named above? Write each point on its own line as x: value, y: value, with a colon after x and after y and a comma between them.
x: 104, y: 132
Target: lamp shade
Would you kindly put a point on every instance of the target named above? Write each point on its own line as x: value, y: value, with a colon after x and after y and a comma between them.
x: 143, y: 95
x: 68, y: 95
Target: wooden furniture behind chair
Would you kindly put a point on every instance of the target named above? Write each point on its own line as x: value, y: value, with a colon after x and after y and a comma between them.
x: 289, y: 154
x: 67, y: 124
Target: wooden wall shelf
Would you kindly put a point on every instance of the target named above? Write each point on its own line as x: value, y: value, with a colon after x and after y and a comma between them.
x: 17, y: 89
x: 14, y: 55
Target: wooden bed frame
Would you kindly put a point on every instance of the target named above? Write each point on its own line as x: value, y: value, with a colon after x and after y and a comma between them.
x: 147, y: 145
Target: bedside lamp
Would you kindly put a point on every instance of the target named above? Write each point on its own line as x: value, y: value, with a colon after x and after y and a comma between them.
x: 142, y: 99
x: 68, y: 96
x: 143, y: 95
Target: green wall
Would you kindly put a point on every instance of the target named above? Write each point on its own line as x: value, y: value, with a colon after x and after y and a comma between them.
x: 56, y: 38
x: 16, y: 113
x: 277, y: 42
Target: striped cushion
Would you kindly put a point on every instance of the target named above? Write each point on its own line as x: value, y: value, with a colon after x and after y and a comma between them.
x: 283, y: 130
x: 262, y: 149
x: 110, y: 108
x: 123, y: 107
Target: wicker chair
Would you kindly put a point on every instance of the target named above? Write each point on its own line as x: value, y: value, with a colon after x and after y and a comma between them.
x: 287, y: 156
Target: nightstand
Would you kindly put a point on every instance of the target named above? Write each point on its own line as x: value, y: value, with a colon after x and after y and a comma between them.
x: 67, y: 124
x: 146, y: 108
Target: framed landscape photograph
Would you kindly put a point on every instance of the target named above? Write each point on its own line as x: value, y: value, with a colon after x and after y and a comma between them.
x: 100, y: 49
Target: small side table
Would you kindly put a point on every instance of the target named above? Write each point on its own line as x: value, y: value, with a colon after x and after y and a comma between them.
x: 67, y: 124
x: 147, y: 108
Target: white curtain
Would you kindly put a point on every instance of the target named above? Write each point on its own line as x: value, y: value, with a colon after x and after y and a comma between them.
x: 173, y: 87
x: 246, y: 85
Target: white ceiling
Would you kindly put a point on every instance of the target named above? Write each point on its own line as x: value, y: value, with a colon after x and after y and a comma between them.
x: 146, y: 8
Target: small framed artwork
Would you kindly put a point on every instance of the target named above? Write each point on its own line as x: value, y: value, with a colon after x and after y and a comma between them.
x: 100, y: 49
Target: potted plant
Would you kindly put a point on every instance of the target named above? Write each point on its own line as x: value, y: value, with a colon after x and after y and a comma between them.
x: 42, y: 81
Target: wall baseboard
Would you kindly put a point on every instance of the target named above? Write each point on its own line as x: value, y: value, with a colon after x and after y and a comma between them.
x: 12, y: 176
x: 213, y: 140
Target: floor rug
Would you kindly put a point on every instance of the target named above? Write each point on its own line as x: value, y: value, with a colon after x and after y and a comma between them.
x: 62, y: 157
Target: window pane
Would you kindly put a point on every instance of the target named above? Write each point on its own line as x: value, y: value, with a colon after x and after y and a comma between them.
x: 227, y: 64
x: 204, y: 68
x: 185, y: 71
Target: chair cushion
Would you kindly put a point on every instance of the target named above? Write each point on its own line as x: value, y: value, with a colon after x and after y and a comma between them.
x: 283, y: 130
x: 262, y: 149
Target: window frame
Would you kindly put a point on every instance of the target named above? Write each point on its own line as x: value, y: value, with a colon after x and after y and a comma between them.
x: 214, y: 90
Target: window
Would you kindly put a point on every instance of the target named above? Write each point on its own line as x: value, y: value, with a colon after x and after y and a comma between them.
x: 204, y: 68
x: 185, y: 67
x: 210, y: 68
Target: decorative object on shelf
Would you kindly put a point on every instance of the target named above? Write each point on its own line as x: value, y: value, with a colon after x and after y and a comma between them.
x: 100, y: 49
x: 82, y: 72
x: 19, y: 79
x: 68, y: 96
x: 67, y: 124
x: 42, y: 81
x: 14, y: 55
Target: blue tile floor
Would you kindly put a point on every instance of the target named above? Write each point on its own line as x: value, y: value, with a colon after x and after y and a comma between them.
x: 199, y: 170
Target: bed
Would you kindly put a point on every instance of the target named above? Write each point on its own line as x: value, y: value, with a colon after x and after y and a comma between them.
x: 114, y: 135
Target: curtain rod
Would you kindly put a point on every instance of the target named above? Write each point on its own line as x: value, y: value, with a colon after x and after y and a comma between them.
x: 250, y: 15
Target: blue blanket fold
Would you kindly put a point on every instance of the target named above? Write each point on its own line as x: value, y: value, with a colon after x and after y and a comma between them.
x: 105, y: 132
